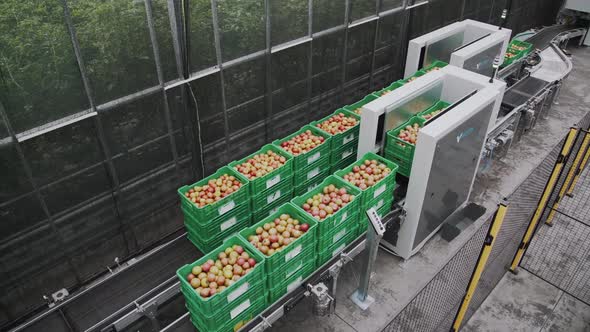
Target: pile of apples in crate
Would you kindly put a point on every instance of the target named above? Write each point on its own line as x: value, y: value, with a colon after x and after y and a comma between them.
x: 367, y: 174
x: 328, y: 202
x: 302, y: 143
x: 213, y: 277
x: 275, y: 236
x: 261, y: 165
x: 214, y: 190
x: 338, y: 123
x: 410, y: 133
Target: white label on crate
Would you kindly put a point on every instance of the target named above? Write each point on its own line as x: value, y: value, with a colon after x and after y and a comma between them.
x: 228, y: 223
x: 294, y: 284
x: 338, y: 250
x: 239, y: 309
x: 292, y: 271
x: 338, y: 235
x: 293, y: 253
x: 227, y: 238
x: 227, y: 207
x: 273, y: 197
x: 379, y: 205
x: 239, y: 291
x: 313, y: 158
x: 347, y: 153
x: 313, y: 173
x: 348, y: 138
x: 379, y: 190
x: 312, y: 187
x: 273, y: 181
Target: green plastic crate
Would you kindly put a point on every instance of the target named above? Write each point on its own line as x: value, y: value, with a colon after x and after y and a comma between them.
x: 305, y: 241
x: 235, y: 324
x: 367, y: 99
x: 311, y: 171
x: 381, y: 187
x: 436, y: 107
x: 312, y: 156
x: 343, y: 163
x: 271, y: 208
x: 209, y: 244
x: 342, y: 214
x: 435, y: 64
x: 336, y: 248
x: 404, y: 166
x: 345, y: 151
x: 399, y: 147
x: 291, y: 283
x: 411, y: 78
x: 312, y: 183
x: 274, y: 194
x: 272, y: 179
x: 345, y: 137
x: 211, y: 228
x: 211, y: 304
x: 339, y: 232
x: 528, y: 47
x: 285, y: 271
x: 230, y: 311
x: 388, y: 89
x: 221, y: 207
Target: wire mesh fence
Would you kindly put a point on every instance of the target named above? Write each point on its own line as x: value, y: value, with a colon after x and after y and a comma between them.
x: 560, y: 254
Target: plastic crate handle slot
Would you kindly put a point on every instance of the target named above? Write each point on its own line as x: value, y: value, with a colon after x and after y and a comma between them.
x: 347, y: 153
x: 239, y: 309
x: 226, y: 207
x: 236, y: 293
x: 294, y: 269
x: 273, y: 181
x: 349, y: 138
x: 379, y: 190
x: 344, y: 216
x: 313, y: 158
x: 294, y: 284
x: 273, y: 197
x: 313, y: 173
x: 228, y: 223
x: 338, y: 236
x: 378, y: 205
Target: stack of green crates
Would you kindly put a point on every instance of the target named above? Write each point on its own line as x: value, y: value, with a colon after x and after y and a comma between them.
x: 209, y: 225
x: 233, y: 307
x: 286, y: 269
x: 440, y: 105
x: 312, y: 167
x: 378, y: 196
x: 339, y: 229
x: 272, y: 190
x: 400, y: 151
x: 343, y: 145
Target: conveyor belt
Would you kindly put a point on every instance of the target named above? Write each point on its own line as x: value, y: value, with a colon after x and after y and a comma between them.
x: 543, y: 38
x: 522, y: 91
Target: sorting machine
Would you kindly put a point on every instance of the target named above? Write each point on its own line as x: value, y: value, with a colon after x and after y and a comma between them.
x: 486, y: 115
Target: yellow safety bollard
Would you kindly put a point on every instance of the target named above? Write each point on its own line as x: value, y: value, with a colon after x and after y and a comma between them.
x: 561, y: 159
x: 480, y: 265
x: 570, y: 176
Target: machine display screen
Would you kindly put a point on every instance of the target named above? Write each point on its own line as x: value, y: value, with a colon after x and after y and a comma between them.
x: 453, y: 167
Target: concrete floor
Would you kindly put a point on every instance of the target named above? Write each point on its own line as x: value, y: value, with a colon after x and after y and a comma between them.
x: 396, y: 282
x: 524, y: 302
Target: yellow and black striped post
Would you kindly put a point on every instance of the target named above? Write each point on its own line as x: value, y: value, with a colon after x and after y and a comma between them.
x: 579, y: 171
x: 570, y: 176
x: 480, y: 265
x: 561, y: 160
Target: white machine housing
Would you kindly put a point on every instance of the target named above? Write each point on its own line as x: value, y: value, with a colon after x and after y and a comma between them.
x: 467, y: 44
x: 473, y: 99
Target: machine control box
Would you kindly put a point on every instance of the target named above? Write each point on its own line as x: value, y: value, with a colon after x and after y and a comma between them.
x: 376, y: 221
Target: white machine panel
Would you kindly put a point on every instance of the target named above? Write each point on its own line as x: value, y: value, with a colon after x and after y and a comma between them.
x: 467, y: 44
